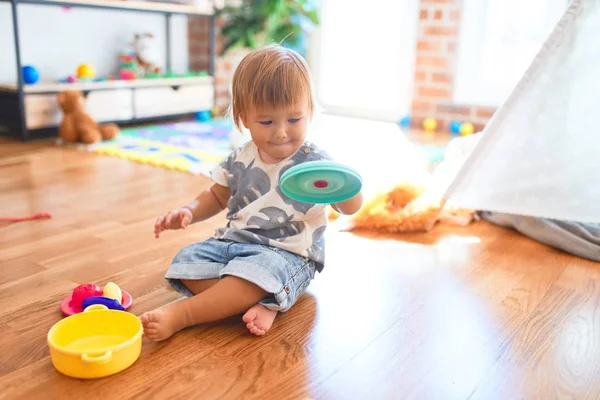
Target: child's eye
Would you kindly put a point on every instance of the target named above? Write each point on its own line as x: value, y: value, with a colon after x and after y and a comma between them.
x: 266, y: 123
x: 293, y: 120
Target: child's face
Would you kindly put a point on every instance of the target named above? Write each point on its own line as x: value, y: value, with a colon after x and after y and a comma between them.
x: 278, y: 133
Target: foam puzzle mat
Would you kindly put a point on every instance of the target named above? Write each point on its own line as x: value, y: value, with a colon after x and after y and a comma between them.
x: 190, y: 146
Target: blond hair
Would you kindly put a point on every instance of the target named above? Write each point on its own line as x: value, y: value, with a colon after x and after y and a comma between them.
x: 268, y: 78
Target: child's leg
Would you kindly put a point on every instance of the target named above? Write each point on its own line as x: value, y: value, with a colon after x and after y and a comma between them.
x: 198, y: 286
x: 258, y: 318
x: 248, y: 274
x: 228, y: 297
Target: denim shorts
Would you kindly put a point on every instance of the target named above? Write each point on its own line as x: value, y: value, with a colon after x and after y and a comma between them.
x: 284, y: 275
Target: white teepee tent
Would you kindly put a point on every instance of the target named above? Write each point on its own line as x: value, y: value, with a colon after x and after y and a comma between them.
x: 539, y: 155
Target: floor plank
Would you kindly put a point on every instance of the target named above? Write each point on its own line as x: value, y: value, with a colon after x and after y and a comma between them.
x: 458, y: 313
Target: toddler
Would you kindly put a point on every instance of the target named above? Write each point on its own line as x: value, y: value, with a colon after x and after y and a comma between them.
x: 263, y: 260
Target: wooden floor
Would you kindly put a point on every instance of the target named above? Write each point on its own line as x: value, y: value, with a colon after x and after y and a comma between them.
x: 477, y: 312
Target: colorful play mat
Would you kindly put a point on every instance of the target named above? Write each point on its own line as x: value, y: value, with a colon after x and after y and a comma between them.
x: 189, y: 146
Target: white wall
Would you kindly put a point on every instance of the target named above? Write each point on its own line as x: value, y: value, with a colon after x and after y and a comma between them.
x: 56, y: 41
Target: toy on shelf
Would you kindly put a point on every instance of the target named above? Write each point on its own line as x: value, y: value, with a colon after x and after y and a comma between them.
x: 85, y: 295
x: 128, y: 67
x: 30, y: 75
x: 146, y: 54
x: 96, y: 343
x: 77, y: 125
x: 85, y: 71
x: 429, y: 124
x: 321, y: 181
x: 466, y: 129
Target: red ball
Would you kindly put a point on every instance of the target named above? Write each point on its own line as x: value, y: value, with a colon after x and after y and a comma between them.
x: 82, y: 292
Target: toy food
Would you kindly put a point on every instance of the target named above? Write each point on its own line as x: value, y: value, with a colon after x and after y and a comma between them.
x: 111, y: 304
x: 82, y: 292
x: 112, y: 291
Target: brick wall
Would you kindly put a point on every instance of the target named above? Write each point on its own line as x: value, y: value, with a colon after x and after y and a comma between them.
x: 437, y: 41
x: 199, y: 58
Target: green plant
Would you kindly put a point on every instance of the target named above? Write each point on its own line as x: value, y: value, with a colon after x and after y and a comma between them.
x: 256, y: 23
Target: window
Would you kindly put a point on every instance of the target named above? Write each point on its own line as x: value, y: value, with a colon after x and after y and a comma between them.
x: 498, y: 40
x: 363, y: 57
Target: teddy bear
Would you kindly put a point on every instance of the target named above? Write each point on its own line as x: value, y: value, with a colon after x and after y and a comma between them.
x: 77, y: 125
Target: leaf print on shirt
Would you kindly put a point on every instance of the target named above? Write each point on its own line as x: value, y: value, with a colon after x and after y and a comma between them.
x: 317, y: 250
x: 246, y: 184
x: 277, y: 226
x: 306, y: 153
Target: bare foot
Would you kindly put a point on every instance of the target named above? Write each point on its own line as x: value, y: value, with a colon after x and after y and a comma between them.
x: 161, y: 324
x: 259, y: 319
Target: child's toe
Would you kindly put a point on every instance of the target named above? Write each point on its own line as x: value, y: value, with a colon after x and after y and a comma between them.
x: 249, y: 317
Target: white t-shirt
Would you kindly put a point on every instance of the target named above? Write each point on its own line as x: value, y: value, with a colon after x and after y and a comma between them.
x: 260, y: 213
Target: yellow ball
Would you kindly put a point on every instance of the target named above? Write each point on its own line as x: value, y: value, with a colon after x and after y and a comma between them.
x: 111, y: 290
x: 429, y: 124
x: 466, y: 129
x: 85, y: 71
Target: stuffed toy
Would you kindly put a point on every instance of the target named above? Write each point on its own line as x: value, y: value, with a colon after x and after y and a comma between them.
x: 406, y: 207
x: 77, y: 125
x: 415, y: 202
x: 146, y: 54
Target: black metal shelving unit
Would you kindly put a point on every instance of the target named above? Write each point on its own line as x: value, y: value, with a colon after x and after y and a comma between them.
x: 12, y: 102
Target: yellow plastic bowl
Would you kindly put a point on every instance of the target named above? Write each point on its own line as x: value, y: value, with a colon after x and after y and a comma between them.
x: 95, y: 343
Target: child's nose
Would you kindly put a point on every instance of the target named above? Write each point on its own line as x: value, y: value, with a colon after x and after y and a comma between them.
x: 281, y: 131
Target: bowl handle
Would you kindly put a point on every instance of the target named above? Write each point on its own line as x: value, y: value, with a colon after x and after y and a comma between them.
x: 101, y: 359
x: 95, y: 307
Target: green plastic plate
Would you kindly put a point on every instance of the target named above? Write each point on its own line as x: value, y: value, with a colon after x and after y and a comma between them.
x: 320, y: 182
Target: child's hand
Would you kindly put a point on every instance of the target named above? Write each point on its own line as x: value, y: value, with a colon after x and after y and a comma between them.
x: 179, y: 218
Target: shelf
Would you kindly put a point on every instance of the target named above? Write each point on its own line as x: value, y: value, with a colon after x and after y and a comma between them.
x: 107, y: 85
x: 128, y: 5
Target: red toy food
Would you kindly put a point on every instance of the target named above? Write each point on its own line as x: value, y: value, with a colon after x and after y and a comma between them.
x: 82, y: 292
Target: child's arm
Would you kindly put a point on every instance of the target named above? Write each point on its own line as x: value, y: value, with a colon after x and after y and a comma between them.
x: 349, y: 206
x: 208, y: 204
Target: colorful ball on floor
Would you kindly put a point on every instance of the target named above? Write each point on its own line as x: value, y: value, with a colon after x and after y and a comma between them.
x: 455, y: 127
x: 405, y: 121
x: 466, y: 129
x: 429, y: 124
x: 30, y: 74
x: 203, y: 115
